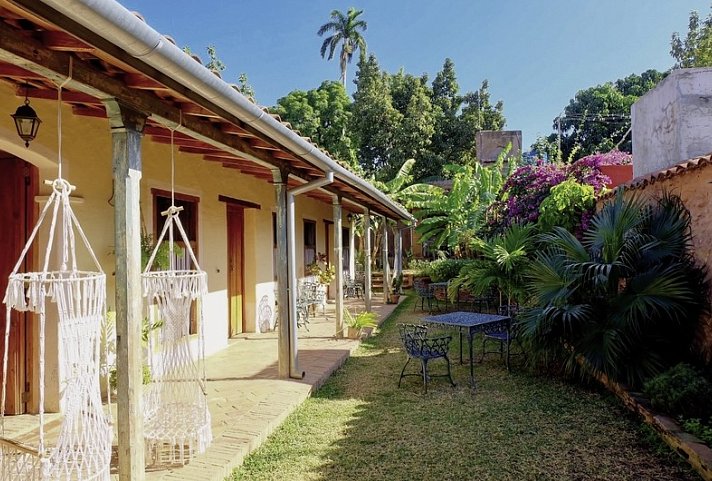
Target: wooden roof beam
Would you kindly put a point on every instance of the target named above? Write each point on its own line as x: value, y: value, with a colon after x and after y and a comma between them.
x: 226, y: 159
x: 160, y: 131
x: 89, y: 111
x: 261, y: 144
x: 62, y: 41
x: 181, y: 142
x: 280, y: 154
x: 50, y: 94
x: 54, y: 65
x: 141, y: 82
x: 235, y: 130
x: 198, y: 149
x: 198, y: 111
x: 15, y: 72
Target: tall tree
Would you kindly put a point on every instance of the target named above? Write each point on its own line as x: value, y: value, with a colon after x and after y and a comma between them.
x: 457, y: 119
x: 445, y: 90
x: 345, y: 31
x: 696, y: 49
x: 375, y: 119
x: 323, y: 114
x: 413, y: 134
x: 446, y: 104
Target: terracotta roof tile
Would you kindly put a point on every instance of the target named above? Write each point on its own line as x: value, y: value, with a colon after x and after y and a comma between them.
x: 664, y: 174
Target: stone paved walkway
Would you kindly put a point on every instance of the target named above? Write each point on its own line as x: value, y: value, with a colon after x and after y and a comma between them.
x: 248, y: 401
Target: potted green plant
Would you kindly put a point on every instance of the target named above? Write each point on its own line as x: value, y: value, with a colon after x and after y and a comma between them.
x: 356, y: 324
x: 324, y: 275
x: 396, y: 283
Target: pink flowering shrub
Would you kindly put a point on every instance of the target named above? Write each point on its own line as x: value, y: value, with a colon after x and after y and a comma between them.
x: 519, y: 199
x: 521, y: 195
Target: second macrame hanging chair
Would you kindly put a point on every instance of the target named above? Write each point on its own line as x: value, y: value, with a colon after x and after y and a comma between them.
x: 82, y: 449
x: 176, y: 415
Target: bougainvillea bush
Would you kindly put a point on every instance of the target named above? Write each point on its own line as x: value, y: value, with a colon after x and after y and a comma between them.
x: 521, y: 197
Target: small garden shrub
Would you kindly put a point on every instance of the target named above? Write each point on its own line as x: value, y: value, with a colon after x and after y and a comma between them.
x: 681, y: 391
x: 443, y: 270
x: 697, y: 428
x: 420, y: 267
x: 569, y: 205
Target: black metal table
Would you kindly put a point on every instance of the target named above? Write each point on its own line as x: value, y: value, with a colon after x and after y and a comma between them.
x: 474, y: 322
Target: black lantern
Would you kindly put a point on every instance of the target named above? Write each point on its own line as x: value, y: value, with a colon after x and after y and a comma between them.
x: 26, y: 121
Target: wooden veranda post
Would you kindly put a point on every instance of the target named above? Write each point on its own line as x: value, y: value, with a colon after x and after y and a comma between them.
x: 386, y: 266
x: 367, y: 258
x: 352, y: 249
x: 126, y: 130
x: 338, y: 257
x: 280, y: 187
x: 398, y: 262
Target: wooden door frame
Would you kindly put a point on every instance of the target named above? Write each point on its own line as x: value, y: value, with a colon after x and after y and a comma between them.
x: 22, y: 393
x: 237, y: 210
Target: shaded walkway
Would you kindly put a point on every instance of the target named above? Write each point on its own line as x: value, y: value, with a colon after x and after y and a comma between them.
x: 248, y: 401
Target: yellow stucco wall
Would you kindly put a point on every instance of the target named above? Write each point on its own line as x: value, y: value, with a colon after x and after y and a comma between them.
x: 87, y: 164
x: 695, y: 189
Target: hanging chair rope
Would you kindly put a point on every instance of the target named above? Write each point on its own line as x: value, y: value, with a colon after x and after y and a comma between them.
x: 82, y: 451
x: 176, y: 420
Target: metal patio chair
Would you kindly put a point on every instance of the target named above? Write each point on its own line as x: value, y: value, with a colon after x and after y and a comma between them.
x: 422, y: 288
x: 419, y: 346
x: 505, y: 337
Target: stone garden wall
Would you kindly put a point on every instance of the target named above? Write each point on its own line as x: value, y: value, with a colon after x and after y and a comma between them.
x: 692, y: 181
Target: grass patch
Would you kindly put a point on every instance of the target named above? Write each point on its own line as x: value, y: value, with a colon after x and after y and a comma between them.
x: 518, y: 426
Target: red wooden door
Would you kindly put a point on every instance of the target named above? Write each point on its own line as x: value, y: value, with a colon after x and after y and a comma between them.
x: 235, y: 259
x: 18, y: 186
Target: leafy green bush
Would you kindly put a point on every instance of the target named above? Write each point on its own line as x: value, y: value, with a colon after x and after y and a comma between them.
x: 697, y: 428
x: 566, y: 206
x: 681, y: 391
x: 503, y: 263
x: 420, y: 267
x: 443, y: 270
x: 162, y: 261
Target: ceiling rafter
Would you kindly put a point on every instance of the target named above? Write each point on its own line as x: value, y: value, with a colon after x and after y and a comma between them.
x: 51, y: 94
x: 62, y: 41
x: 31, y: 55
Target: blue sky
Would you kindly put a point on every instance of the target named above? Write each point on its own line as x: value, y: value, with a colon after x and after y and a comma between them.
x: 536, y: 54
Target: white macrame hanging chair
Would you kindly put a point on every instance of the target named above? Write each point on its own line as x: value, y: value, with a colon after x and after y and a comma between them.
x: 176, y: 414
x: 82, y: 451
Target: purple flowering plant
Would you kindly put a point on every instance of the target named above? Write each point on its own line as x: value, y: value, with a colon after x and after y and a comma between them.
x: 519, y: 199
x: 521, y: 195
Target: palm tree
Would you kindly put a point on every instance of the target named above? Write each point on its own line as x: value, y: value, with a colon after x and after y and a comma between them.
x: 626, y: 299
x: 502, y: 263
x: 345, y: 30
